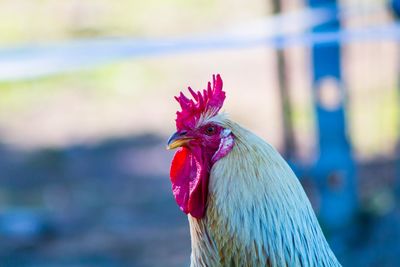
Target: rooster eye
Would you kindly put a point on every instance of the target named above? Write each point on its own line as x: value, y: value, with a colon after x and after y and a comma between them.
x: 210, y: 130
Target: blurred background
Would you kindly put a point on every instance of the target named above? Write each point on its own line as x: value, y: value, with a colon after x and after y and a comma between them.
x: 86, y: 106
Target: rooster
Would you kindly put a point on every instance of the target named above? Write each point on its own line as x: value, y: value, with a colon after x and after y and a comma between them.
x: 245, y: 205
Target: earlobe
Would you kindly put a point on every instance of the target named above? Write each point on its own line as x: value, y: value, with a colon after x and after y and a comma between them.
x: 225, y: 146
x: 226, y: 133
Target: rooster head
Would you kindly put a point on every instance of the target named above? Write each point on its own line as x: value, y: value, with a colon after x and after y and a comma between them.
x: 202, y: 141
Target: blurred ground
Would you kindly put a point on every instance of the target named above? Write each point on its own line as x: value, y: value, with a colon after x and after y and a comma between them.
x: 105, y: 204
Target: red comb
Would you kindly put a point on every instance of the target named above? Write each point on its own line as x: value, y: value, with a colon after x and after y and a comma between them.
x: 210, y: 101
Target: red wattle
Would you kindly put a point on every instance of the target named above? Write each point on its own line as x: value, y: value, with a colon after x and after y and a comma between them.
x: 189, y: 178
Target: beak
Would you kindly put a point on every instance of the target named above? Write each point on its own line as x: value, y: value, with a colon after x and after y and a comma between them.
x: 178, y: 139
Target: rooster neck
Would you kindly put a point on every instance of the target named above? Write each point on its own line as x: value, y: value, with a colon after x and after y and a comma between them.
x: 257, y: 212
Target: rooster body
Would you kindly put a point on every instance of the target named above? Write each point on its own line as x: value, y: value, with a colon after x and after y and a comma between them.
x: 246, y: 207
x: 258, y: 213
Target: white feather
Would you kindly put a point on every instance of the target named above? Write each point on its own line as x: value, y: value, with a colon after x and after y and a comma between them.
x: 257, y: 211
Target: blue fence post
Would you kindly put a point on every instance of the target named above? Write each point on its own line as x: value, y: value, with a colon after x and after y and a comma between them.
x: 334, y: 170
x: 395, y: 8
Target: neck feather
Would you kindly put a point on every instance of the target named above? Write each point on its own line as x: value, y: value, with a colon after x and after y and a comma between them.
x: 257, y: 211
